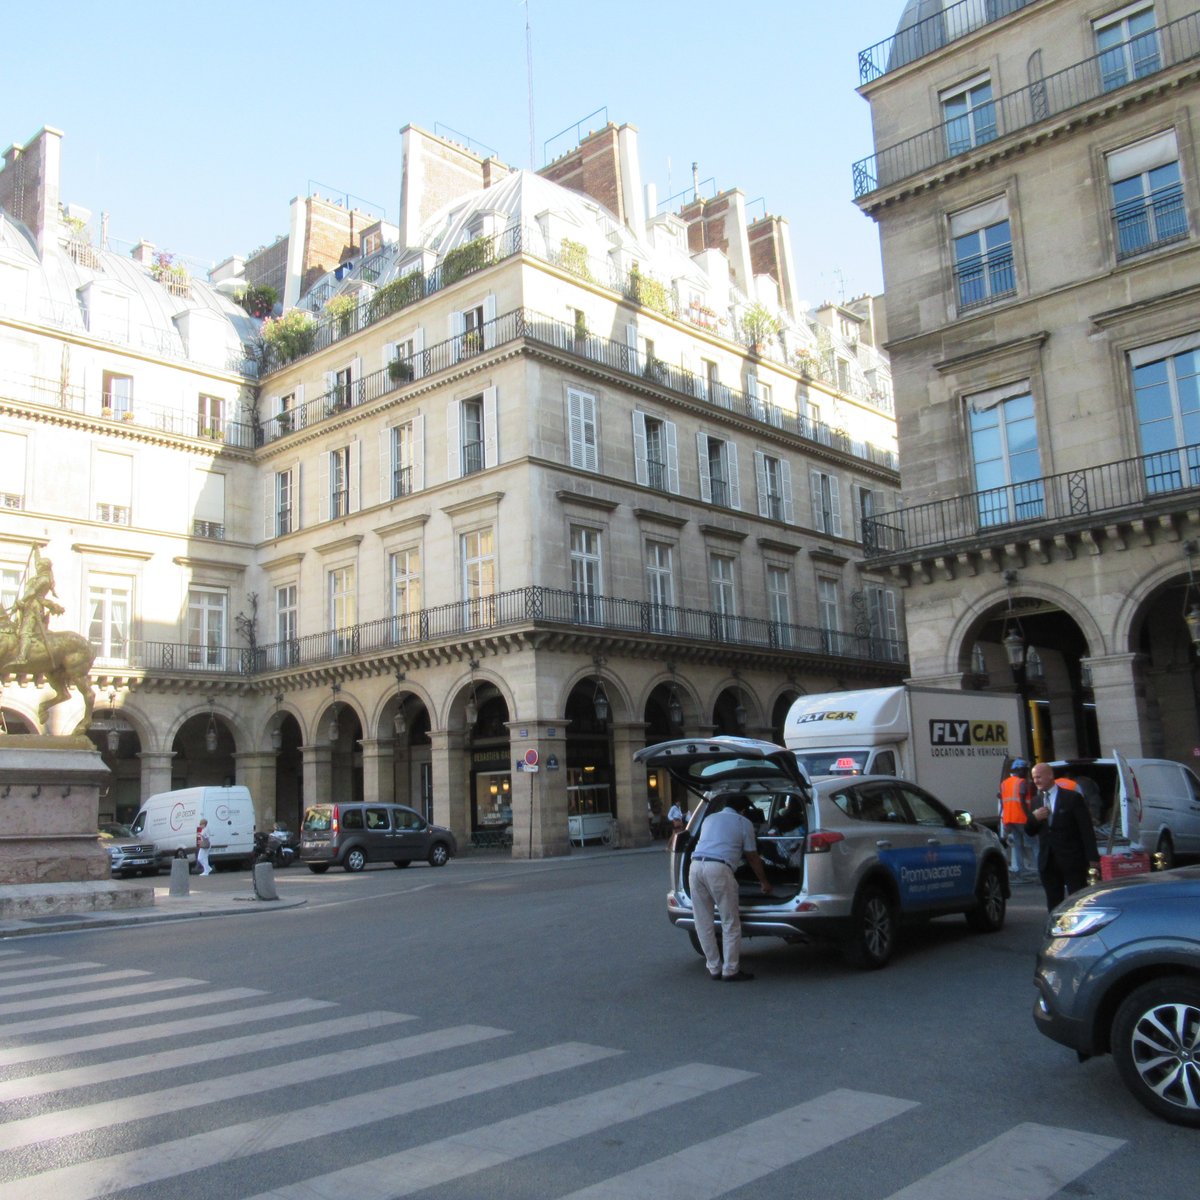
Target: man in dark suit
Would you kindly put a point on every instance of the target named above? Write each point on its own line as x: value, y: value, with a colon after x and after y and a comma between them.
x: 1066, y: 841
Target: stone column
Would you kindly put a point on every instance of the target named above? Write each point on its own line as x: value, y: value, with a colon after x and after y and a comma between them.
x: 377, y: 770
x: 1121, y: 708
x: 318, y: 772
x: 629, y: 781
x: 156, y: 772
x: 451, y: 783
x: 539, y: 799
x: 256, y: 771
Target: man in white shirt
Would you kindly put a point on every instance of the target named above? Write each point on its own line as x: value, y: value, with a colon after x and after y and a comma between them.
x: 726, y: 837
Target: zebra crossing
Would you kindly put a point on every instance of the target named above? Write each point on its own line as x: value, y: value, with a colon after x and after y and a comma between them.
x: 57, y: 1019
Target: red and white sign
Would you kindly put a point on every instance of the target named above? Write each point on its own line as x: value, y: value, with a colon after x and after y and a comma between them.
x: 531, y: 758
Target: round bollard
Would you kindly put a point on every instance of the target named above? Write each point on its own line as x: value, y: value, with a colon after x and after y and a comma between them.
x: 180, y: 883
x: 264, y: 881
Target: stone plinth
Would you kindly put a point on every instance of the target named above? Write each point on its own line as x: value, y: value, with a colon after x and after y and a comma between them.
x: 26, y: 901
x: 49, y: 801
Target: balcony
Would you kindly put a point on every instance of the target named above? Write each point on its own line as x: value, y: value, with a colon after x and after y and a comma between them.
x: 915, y: 41
x: 1149, y: 222
x: 520, y: 609
x: 1081, y: 83
x: 1126, y: 493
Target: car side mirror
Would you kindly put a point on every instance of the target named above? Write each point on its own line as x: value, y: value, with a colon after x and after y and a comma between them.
x: 962, y: 818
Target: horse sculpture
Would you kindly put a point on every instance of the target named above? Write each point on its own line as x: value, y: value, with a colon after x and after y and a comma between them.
x: 64, y: 661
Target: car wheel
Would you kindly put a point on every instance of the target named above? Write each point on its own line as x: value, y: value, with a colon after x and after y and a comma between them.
x: 318, y: 868
x: 1166, y: 847
x: 355, y: 859
x: 694, y: 938
x: 403, y: 862
x: 874, y: 937
x: 1156, y: 1045
x: 439, y: 854
x: 988, y: 914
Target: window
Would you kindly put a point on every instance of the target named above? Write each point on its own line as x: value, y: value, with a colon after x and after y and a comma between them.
x: 1166, y: 388
x: 581, y: 425
x: 885, y: 629
x: 981, y: 239
x: 287, y: 625
x: 118, y: 395
x: 479, y: 576
x: 969, y: 115
x: 339, y: 482
x: 1128, y: 45
x: 113, y: 487
x: 774, y: 487
x: 110, y: 605
x: 206, y: 628
x: 12, y: 470
x: 829, y: 613
x: 722, y: 595
x: 1004, y: 449
x: 718, y: 471
x: 471, y: 434
x: 827, y: 512
x: 1147, y: 193
x: 586, y: 584
x: 779, y: 604
x: 655, y: 453
x: 208, y: 504
x: 342, y: 610
x: 342, y: 392
x: 472, y: 342
x: 210, y: 416
x: 713, y: 390
x: 406, y: 591
x: 281, y: 503
x: 403, y: 459
x: 660, y: 587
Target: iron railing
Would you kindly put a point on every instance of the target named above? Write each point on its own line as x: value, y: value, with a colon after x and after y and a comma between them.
x: 506, y: 610
x: 1045, y: 98
x: 924, y: 37
x: 1150, y: 221
x: 984, y: 278
x: 1126, y: 486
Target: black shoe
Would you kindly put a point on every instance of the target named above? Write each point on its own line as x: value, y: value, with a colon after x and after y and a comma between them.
x: 740, y: 977
x: 715, y: 976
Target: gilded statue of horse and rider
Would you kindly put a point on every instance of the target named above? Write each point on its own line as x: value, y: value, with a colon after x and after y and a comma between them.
x: 28, y: 646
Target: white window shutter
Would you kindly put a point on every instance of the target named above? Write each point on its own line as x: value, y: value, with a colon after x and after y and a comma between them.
x: 760, y: 473
x: 591, y: 432
x: 458, y: 326
x: 735, y: 490
x: 358, y: 385
x: 489, y: 320
x: 818, y: 509
x: 641, y: 471
x: 631, y: 340
x: 269, y: 485
x: 672, y: 458
x: 354, y: 471
x: 491, y: 443
x: 834, y: 507
x: 418, y: 342
x: 785, y: 487
x: 856, y: 510
x: 386, y: 466
x: 323, y: 485
x: 389, y: 352
x: 453, y: 441
x: 297, y: 474
x: 577, y: 451
x: 418, y: 452
x: 705, y: 477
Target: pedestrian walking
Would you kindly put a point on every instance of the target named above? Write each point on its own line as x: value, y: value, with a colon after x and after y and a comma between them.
x: 1016, y: 794
x: 726, y: 838
x: 1063, y: 828
x: 202, y: 846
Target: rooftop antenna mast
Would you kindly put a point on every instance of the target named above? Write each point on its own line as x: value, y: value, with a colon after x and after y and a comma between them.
x: 529, y: 76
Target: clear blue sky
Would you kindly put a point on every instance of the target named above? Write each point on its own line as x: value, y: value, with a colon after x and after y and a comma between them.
x: 194, y: 125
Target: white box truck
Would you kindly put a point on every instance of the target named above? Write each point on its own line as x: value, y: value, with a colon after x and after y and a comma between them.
x: 956, y: 744
x: 169, y: 820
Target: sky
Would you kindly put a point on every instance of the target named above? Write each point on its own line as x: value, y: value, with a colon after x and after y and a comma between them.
x: 195, y: 125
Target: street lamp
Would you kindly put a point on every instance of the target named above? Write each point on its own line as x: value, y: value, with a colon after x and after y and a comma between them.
x: 599, y: 699
x: 739, y: 710
x: 399, y: 721
x: 276, y: 729
x: 674, y: 708
x: 113, y: 737
x: 334, y: 727
x: 1191, y: 612
x: 1014, y: 645
x: 471, y: 710
x: 210, y: 734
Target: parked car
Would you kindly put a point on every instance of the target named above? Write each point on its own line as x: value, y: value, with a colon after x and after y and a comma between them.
x: 126, y: 853
x: 351, y: 835
x: 849, y: 858
x: 1119, y: 974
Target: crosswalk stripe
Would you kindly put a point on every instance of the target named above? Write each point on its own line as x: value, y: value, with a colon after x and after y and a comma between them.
x: 41, y: 985
x: 498, y: 1143
x: 121, y: 1012
x: 61, y: 969
x: 44, y: 1002
x: 28, y: 1086
x: 48, y: 1125
x: 719, y: 1165
x: 1027, y: 1162
x: 101, y: 1177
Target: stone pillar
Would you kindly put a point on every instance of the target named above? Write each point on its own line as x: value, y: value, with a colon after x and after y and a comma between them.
x: 156, y: 772
x: 451, y: 784
x: 377, y: 770
x: 539, y: 799
x: 318, y: 772
x: 1121, y: 710
x: 1061, y: 697
x: 629, y: 781
x: 256, y: 771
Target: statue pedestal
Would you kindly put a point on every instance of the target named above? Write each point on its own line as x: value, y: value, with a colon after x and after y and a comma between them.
x: 49, y: 802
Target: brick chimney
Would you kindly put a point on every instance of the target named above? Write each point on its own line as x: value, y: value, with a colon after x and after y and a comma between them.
x: 605, y: 166
x: 30, y: 182
x: 771, y: 254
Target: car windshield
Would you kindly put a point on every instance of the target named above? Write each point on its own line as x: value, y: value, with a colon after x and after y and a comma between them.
x: 112, y: 829
x: 318, y: 819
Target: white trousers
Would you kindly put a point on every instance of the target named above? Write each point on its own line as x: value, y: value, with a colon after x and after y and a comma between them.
x: 202, y: 860
x: 714, y: 887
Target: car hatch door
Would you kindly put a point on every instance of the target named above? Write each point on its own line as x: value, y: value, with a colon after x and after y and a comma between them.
x: 1130, y: 800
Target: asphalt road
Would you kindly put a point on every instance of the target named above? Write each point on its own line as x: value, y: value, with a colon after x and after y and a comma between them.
x: 537, y: 1030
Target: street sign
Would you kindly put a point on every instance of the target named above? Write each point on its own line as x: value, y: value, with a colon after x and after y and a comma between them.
x: 531, y: 758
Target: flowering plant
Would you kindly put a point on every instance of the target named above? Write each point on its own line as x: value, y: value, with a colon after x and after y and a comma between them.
x: 165, y: 267
x: 259, y: 300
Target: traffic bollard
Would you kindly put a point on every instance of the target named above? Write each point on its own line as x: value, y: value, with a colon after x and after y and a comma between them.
x: 264, y: 881
x: 180, y: 884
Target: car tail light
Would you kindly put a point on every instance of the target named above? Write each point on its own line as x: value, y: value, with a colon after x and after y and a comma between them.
x: 822, y: 843
x: 333, y: 821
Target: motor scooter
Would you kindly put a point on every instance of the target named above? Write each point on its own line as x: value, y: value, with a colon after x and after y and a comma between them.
x: 277, y: 847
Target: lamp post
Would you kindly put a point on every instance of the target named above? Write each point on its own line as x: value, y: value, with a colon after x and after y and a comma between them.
x: 1014, y: 645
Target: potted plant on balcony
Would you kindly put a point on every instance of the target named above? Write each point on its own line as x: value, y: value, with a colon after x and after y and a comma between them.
x: 171, y: 274
x: 760, y: 326
x: 340, y: 312
x: 400, y: 370
x: 259, y: 300
x: 290, y: 336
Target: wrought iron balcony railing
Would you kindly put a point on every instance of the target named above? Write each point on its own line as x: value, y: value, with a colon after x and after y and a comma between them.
x: 1131, y: 486
x: 1179, y: 42
x: 506, y: 610
x: 924, y: 37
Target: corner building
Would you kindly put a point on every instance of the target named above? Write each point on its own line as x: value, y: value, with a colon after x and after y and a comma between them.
x: 522, y: 477
x: 1035, y: 185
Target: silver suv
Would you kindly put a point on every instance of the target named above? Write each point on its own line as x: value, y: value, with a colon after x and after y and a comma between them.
x: 848, y: 857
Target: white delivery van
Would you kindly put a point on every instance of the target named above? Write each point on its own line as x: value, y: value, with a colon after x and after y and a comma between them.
x: 169, y: 820
x: 954, y: 743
